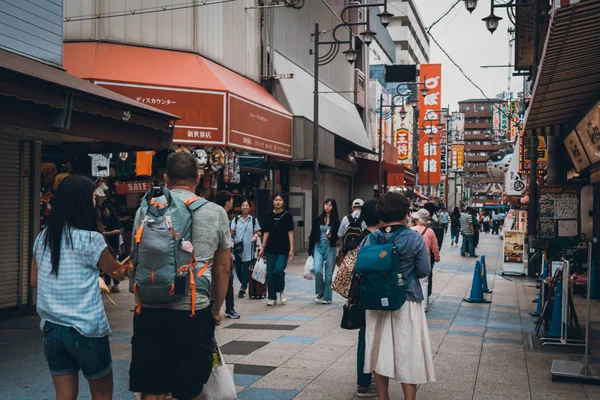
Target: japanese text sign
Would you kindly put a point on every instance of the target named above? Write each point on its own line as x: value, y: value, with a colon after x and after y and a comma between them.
x: 429, y: 116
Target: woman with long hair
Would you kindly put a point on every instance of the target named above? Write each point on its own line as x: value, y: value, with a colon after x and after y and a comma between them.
x: 422, y: 219
x: 278, y: 245
x: 321, y: 246
x: 112, y: 231
x: 397, y: 342
x: 67, y: 256
x: 245, y: 229
x: 455, y: 226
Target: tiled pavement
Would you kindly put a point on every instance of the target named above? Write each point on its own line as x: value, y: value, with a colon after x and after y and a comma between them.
x: 298, y: 350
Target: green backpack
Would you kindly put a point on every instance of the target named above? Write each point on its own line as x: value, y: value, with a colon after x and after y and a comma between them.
x: 377, y: 266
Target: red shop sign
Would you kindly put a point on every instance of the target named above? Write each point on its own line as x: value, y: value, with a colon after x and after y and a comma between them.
x: 124, y: 188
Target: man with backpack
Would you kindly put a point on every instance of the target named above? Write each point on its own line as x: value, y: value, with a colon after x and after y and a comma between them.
x: 351, y: 228
x: 181, y: 254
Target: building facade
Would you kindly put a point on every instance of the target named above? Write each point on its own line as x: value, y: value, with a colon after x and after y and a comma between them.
x: 42, y: 105
x: 408, y: 33
x: 480, y: 143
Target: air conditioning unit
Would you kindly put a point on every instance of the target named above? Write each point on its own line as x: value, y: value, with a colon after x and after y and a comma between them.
x: 359, y: 88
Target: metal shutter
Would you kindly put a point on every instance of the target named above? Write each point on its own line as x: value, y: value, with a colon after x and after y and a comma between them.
x: 9, y: 223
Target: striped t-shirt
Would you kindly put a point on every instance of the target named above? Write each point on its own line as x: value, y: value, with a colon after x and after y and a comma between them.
x: 465, y: 224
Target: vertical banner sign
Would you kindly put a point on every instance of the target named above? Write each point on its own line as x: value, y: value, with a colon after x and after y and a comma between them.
x: 404, y: 135
x: 444, y: 157
x: 429, y: 117
x: 515, y: 122
x: 457, y: 157
x: 495, y: 120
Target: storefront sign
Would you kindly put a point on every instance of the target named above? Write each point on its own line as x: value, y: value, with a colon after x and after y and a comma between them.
x: 516, y: 122
x: 457, y: 161
x: 202, y: 112
x: 444, y: 157
x: 404, y: 135
x: 257, y: 128
x: 429, y: 137
x: 542, y: 153
x: 514, y: 242
x: 500, y: 120
x: 515, y: 183
x: 458, y: 125
x: 124, y: 188
x: 589, y: 133
x: 576, y: 151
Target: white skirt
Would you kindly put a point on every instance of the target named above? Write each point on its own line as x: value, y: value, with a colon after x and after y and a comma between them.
x: 397, y: 344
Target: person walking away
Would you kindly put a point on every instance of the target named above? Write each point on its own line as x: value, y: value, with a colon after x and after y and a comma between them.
x: 476, y: 229
x: 501, y: 218
x: 486, y: 223
x: 67, y: 258
x: 444, y: 217
x: 397, y: 342
x: 351, y: 228
x: 321, y: 246
x: 111, y: 225
x: 278, y: 245
x: 225, y: 200
x: 172, y: 344
x: 245, y: 229
x: 466, y: 228
x: 422, y: 220
x: 495, y: 222
x: 455, y: 226
x: 364, y: 386
x: 435, y: 224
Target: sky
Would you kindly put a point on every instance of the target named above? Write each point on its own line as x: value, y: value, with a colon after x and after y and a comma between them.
x: 467, y: 40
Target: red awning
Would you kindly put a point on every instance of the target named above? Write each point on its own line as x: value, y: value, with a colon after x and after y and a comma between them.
x: 368, y: 170
x: 217, y: 105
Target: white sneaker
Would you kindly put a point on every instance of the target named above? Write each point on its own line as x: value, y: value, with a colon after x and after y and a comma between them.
x: 283, y: 297
x: 271, y: 303
x: 325, y: 301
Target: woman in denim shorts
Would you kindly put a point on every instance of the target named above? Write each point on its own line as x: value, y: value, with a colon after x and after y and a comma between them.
x: 67, y: 256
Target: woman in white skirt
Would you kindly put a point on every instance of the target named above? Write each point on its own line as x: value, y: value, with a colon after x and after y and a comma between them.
x: 397, y: 342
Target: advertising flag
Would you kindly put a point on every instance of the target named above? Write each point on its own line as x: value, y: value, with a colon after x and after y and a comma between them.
x: 429, y: 116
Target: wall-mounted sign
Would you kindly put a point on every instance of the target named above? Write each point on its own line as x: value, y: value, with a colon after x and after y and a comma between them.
x: 429, y: 117
x: 542, y: 153
x: 576, y: 151
x: 589, y: 133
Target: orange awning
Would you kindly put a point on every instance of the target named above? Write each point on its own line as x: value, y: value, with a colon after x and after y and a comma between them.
x: 217, y: 106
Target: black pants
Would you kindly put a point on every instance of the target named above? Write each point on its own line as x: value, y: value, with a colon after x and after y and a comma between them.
x: 229, y: 303
x: 430, y: 280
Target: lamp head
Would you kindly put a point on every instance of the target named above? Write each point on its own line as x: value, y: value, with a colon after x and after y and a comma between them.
x: 402, y: 112
x: 368, y: 36
x: 351, y: 55
x: 385, y: 18
x: 471, y: 5
x: 491, y: 22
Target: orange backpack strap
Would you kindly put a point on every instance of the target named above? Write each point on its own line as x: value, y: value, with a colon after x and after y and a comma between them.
x: 193, y: 286
x: 188, y: 202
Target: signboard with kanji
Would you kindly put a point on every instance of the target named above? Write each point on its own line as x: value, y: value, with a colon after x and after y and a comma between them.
x: 404, y: 135
x: 457, y: 157
x: 429, y: 136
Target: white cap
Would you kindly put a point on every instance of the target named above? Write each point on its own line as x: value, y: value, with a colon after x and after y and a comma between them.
x: 358, y: 203
x: 422, y: 215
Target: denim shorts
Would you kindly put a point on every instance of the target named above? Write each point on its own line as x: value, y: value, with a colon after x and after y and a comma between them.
x: 67, y: 351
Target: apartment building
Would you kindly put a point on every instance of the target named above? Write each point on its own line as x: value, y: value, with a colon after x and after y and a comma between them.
x: 408, y: 33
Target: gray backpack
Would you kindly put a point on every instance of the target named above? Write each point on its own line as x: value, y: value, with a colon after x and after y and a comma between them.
x: 163, y: 264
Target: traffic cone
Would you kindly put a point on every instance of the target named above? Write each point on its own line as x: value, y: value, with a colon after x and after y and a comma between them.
x: 556, y: 312
x: 540, y: 298
x: 484, y: 278
x: 477, y: 287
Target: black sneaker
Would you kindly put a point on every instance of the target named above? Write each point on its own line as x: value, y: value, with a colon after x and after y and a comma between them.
x: 232, y: 314
x: 242, y: 294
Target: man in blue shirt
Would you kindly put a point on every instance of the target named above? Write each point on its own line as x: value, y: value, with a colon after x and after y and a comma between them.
x: 444, y: 217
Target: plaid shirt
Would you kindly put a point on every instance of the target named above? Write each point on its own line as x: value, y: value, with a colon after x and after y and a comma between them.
x: 73, y: 297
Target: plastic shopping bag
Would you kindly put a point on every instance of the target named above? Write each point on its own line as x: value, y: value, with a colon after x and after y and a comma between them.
x: 260, y: 271
x: 220, y: 384
x: 309, y: 272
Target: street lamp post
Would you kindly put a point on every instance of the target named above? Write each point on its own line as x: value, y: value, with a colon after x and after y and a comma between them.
x: 351, y: 55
